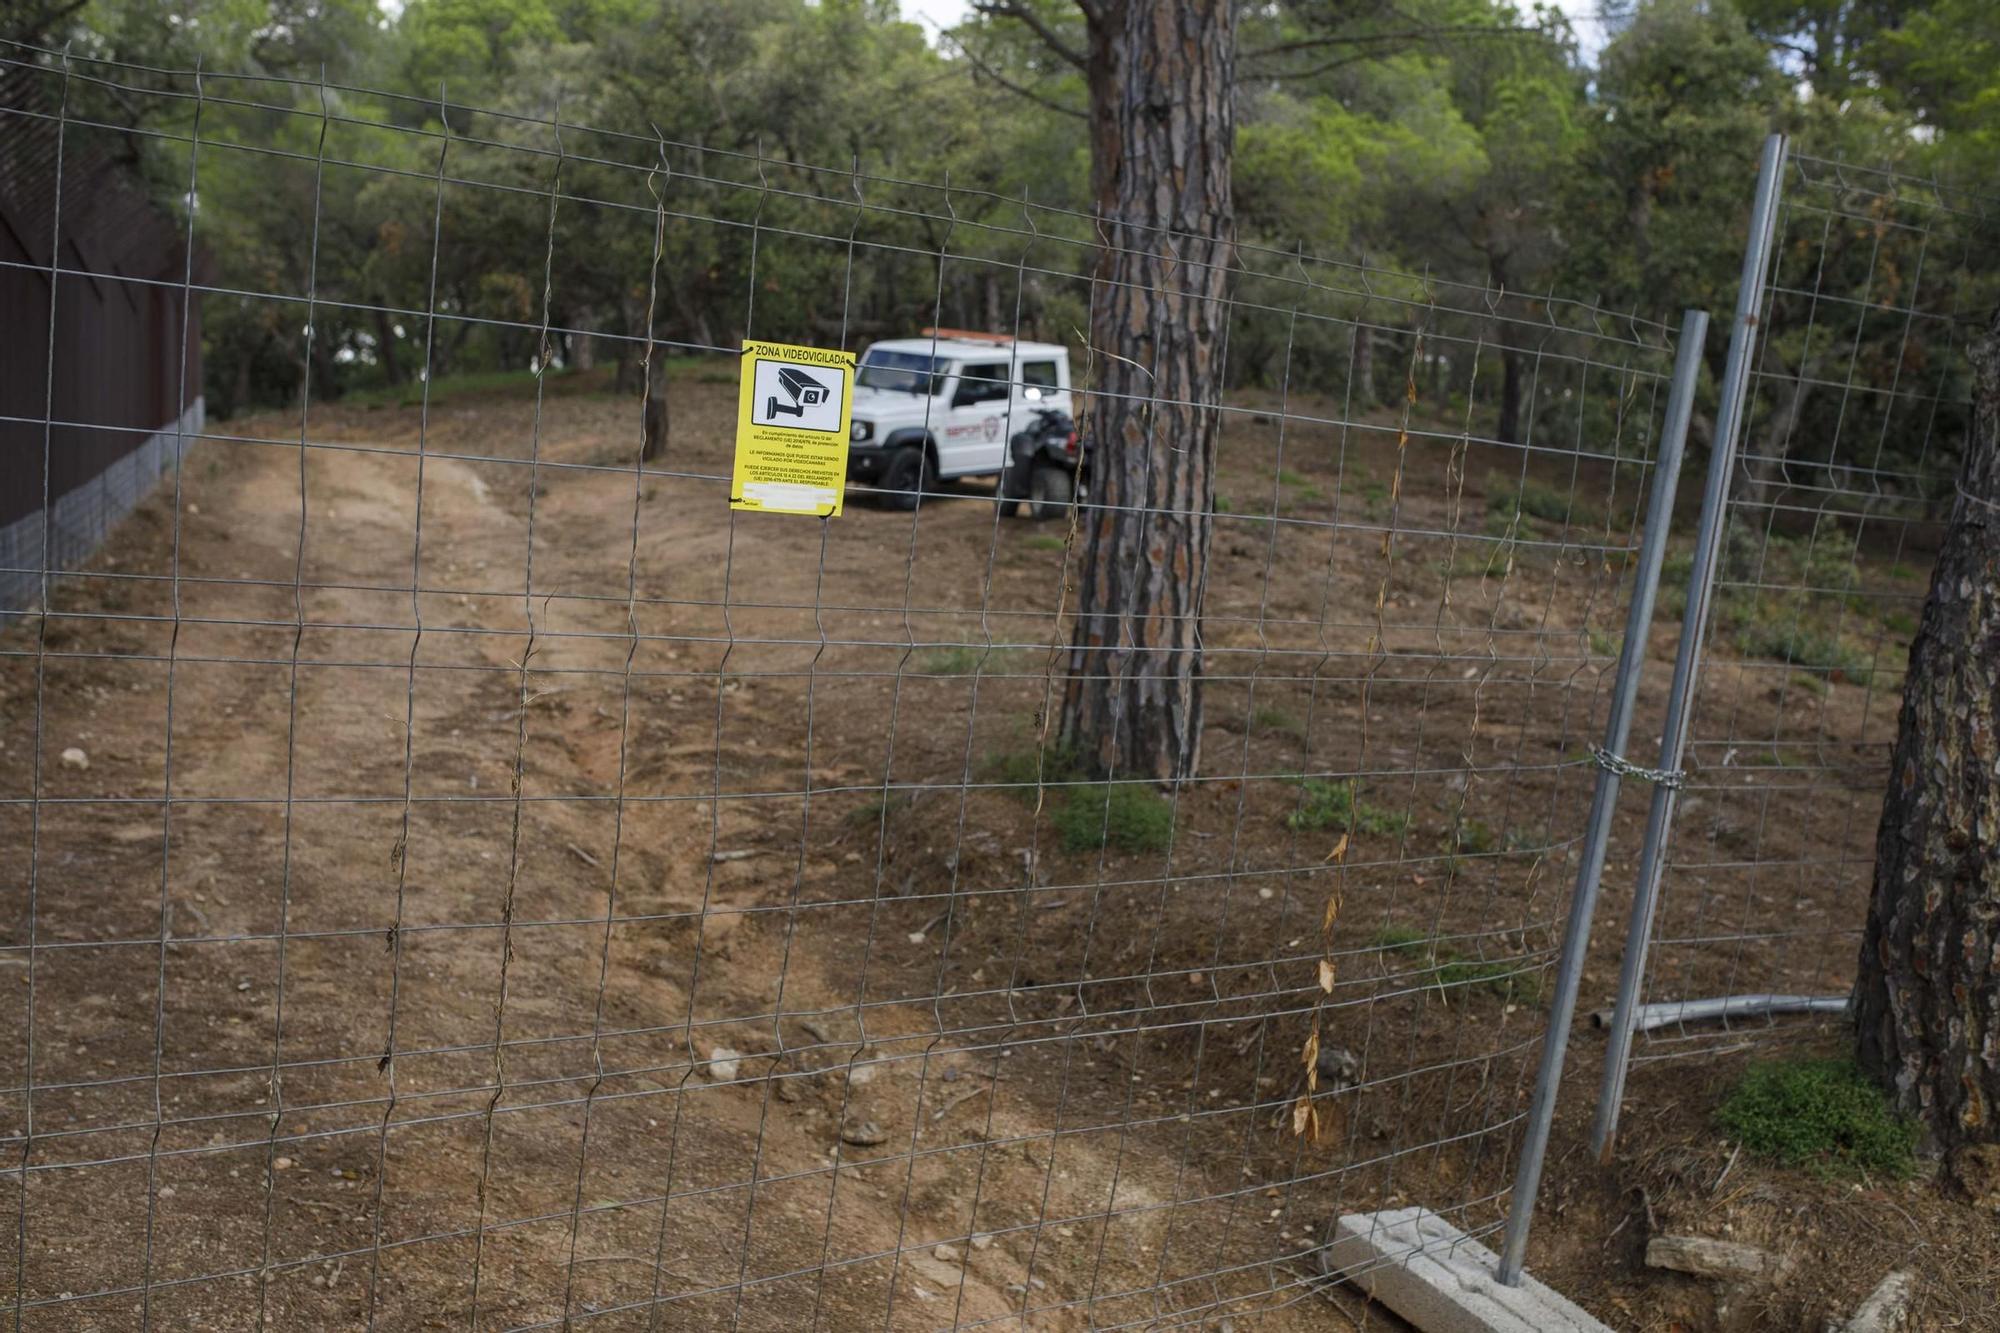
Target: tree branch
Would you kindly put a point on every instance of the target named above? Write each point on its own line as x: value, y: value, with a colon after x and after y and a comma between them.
x: 1018, y: 9
x: 981, y: 67
x: 1411, y: 35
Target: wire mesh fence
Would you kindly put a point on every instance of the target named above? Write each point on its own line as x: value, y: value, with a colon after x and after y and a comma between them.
x: 1844, y: 476
x: 472, y: 875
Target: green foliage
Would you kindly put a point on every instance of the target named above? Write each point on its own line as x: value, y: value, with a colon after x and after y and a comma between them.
x: 1336, y: 805
x: 1044, y: 542
x: 1507, y: 499
x: 1824, y: 1114
x: 1131, y: 816
x: 1779, y: 633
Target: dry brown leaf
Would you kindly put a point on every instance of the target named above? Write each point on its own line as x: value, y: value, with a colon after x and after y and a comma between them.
x: 1311, y: 1054
x: 1302, y: 1114
x: 1339, y: 851
x: 1332, y: 910
x: 1326, y: 975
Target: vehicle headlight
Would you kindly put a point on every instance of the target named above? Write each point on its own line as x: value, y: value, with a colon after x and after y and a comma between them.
x: 861, y: 430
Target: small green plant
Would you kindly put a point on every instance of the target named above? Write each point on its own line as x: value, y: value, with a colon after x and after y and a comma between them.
x: 1287, y: 477
x: 1336, y: 805
x: 1374, y: 493
x: 1808, y: 682
x: 1270, y: 717
x: 1451, y: 970
x: 1131, y: 816
x: 1222, y: 504
x: 870, y: 813
x: 1603, y: 645
x: 1042, y: 541
x: 1824, y: 1114
x: 1475, y: 838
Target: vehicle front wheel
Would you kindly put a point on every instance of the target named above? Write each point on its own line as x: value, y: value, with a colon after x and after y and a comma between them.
x: 908, y: 473
x: 1049, y: 490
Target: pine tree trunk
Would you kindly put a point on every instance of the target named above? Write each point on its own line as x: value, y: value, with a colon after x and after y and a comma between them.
x: 1161, y: 85
x: 1927, y: 1002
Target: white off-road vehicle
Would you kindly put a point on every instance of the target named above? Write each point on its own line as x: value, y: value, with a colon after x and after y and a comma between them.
x: 949, y: 405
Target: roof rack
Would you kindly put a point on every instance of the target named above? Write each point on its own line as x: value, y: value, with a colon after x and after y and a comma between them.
x: 967, y: 335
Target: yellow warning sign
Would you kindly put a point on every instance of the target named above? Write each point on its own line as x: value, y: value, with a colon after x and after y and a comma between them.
x: 792, y: 417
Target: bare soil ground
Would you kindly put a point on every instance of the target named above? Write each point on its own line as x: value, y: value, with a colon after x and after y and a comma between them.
x: 636, y: 911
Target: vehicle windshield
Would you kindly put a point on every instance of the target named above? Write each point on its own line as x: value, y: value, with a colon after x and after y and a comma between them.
x: 902, y: 372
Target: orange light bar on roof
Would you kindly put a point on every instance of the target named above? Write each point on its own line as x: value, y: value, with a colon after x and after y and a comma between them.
x: 967, y: 335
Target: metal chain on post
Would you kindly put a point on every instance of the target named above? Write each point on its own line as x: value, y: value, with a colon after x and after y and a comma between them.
x: 1694, y: 626
x: 1583, y: 902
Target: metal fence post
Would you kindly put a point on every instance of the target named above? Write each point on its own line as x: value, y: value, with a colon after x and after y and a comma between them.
x: 1694, y: 628
x: 1583, y: 902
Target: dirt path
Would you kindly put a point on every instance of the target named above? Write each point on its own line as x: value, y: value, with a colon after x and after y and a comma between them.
x: 732, y: 913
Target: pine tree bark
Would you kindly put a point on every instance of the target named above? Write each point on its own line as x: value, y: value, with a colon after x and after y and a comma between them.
x: 1927, y: 1002
x: 1161, y: 79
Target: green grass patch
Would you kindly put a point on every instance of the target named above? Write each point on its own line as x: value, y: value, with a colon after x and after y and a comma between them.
x: 1822, y: 1114
x: 1044, y: 542
x: 963, y: 660
x: 1287, y: 477
x: 1374, y: 493
x: 1019, y: 771
x: 1131, y: 816
x: 1223, y: 505
x: 1452, y: 970
x: 1604, y: 645
x: 1470, y: 561
x: 1337, y: 805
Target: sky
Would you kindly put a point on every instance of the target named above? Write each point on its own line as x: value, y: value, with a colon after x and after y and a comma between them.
x: 1582, y: 16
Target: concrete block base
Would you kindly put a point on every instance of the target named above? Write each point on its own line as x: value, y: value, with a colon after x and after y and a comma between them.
x: 1441, y: 1280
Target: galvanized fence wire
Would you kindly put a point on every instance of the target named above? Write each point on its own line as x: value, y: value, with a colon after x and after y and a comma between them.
x: 496, y: 884
x: 1845, y: 474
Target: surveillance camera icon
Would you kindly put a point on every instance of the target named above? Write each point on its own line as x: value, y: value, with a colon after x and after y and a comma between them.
x: 805, y: 392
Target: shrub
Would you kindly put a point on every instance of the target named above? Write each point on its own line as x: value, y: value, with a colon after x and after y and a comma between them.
x: 1824, y: 1114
